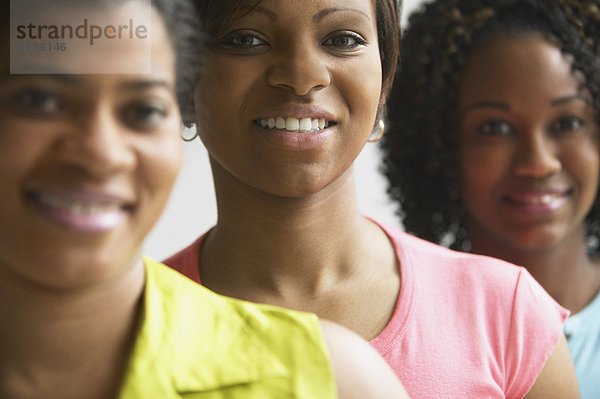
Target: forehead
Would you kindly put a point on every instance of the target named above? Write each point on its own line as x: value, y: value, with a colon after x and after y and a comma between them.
x: 240, y: 8
x: 107, y: 37
x: 507, y: 63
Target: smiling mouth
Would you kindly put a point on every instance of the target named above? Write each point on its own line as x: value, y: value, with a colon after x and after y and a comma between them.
x: 78, y: 207
x: 82, y: 213
x: 538, y: 199
x: 295, y: 125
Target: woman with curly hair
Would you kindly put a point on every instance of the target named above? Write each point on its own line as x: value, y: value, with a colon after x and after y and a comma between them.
x: 291, y: 93
x: 493, y: 145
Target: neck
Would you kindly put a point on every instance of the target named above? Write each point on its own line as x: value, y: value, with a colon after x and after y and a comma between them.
x: 69, y: 343
x: 266, y: 241
x: 564, y: 269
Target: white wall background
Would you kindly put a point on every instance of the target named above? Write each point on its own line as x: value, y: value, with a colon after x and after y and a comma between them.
x: 192, y: 208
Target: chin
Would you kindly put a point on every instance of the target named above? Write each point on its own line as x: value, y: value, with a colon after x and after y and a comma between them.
x: 296, y: 190
x: 536, y: 240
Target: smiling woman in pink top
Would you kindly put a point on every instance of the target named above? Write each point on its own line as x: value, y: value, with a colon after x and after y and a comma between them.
x: 294, y: 91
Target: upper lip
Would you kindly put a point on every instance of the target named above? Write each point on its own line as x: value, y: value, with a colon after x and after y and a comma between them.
x: 297, y: 111
x: 533, y: 193
x: 87, y: 196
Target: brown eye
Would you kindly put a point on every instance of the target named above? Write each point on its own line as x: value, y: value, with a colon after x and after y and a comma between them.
x: 36, y: 101
x: 344, y: 40
x: 567, y: 124
x: 495, y: 128
x: 243, y: 40
x: 145, y: 115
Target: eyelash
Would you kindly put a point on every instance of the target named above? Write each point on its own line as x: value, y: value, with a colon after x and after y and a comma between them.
x: 495, y: 123
x: 235, y: 40
x: 557, y: 126
x: 37, y: 102
x: 230, y: 40
x: 358, y: 39
x: 145, y: 115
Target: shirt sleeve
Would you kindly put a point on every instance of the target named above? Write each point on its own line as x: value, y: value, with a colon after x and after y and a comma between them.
x: 536, y: 325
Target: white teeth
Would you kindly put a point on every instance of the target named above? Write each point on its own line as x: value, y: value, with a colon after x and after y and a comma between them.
x: 303, y: 125
x: 280, y: 123
x: 77, y: 207
x: 292, y: 124
x: 541, y: 200
x: 546, y: 199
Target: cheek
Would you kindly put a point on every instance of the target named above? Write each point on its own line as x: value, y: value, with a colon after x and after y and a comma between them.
x: 160, y: 162
x: 364, y: 81
x: 480, y: 171
x: 219, y: 102
x: 583, y: 162
x: 23, y: 147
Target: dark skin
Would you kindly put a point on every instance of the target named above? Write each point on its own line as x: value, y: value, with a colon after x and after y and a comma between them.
x: 311, y: 254
x: 549, y: 144
x: 289, y: 231
x: 70, y: 298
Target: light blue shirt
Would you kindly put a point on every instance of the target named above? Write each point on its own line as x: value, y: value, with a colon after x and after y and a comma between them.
x: 583, y: 336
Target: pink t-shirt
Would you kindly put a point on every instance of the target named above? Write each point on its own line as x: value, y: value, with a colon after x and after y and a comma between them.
x: 465, y: 326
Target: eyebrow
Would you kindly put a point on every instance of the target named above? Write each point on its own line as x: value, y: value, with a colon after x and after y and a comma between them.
x: 74, y: 80
x: 327, y: 11
x: 316, y: 18
x: 146, y: 84
x: 488, y: 104
x: 262, y: 10
x: 567, y: 99
x: 65, y: 79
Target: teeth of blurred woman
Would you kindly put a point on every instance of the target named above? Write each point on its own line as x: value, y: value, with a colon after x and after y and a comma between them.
x: 547, y: 198
x: 298, y: 125
x: 77, y: 206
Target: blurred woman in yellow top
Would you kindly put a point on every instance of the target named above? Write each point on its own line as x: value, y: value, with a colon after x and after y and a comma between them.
x: 87, y: 162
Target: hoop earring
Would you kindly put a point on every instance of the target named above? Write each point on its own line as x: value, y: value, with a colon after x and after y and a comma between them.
x: 381, y: 129
x: 188, y: 139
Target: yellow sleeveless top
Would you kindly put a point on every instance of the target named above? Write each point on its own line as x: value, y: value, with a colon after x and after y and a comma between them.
x: 193, y: 343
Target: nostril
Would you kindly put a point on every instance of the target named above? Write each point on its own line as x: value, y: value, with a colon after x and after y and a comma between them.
x: 538, y: 165
x: 300, y: 77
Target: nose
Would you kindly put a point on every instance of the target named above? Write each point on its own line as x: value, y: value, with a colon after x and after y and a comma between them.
x: 97, y: 144
x: 537, y: 156
x: 300, y: 69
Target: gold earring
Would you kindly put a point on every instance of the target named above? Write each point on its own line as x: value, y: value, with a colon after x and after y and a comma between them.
x: 381, y: 129
x: 192, y: 138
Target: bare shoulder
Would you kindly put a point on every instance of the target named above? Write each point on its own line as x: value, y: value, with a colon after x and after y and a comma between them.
x: 557, y: 379
x: 359, y: 370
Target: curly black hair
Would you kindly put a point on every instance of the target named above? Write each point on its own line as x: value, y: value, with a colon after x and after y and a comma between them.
x: 420, y: 145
